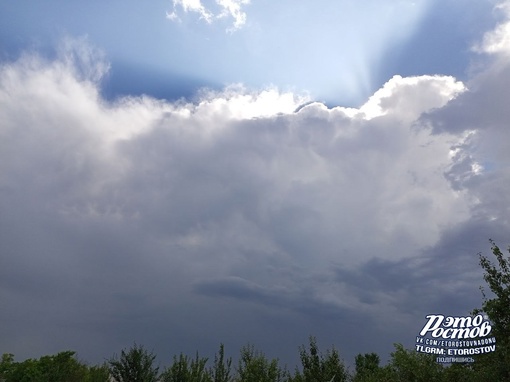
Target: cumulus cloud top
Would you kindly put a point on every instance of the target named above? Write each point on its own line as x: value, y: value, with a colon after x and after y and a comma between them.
x: 497, y: 40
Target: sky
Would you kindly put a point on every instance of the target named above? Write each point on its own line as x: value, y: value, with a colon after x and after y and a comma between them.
x: 187, y: 173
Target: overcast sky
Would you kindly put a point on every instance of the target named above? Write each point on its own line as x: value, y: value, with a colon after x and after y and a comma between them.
x: 186, y: 173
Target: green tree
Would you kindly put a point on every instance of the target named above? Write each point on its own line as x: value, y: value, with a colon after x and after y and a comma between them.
x: 411, y: 366
x: 26, y: 371
x: 134, y: 365
x: 185, y: 369
x: 459, y: 372
x: 221, y: 370
x: 367, y: 367
x: 98, y: 374
x: 318, y: 367
x: 255, y: 367
x: 496, y: 366
x: 62, y: 367
x: 6, y: 365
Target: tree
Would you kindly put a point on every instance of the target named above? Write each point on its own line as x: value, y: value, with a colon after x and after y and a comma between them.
x: 134, y: 365
x: 62, y: 367
x: 26, y: 371
x: 411, y: 366
x: 459, y: 372
x: 222, y: 367
x: 185, y: 370
x: 317, y: 367
x: 367, y: 366
x: 98, y: 374
x: 255, y: 367
x: 497, y: 276
x: 6, y: 365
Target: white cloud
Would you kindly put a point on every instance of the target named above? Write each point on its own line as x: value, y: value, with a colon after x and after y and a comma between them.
x: 398, y: 96
x: 311, y: 184
x: 235, y: 102
x: 191, y: 6
x: 497, y: 41
x: 233, y: 9
x: 227, y: 9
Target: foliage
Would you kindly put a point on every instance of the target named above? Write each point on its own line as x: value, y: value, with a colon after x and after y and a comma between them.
x: 221, y: 371
x: 62, y: 367
x: 411, y: 366
x: 98, y: 374
x: 320, y: 367
x: 134, y: 365
x: 185, y: 369
x: 26, y: 371
x: 459, y: 372
x: 496, y: 365
x: 498, y: 279
x: 194, y: 370
x: 367, y: 367
x: 6, y: 365
x: 255, y: 367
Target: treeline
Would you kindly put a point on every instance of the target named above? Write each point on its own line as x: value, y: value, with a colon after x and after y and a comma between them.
x: 137, y: 364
